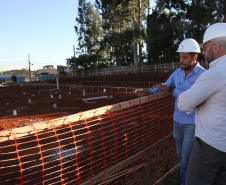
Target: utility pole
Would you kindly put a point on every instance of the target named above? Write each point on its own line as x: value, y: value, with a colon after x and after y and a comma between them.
x: 75, y: 70
x: 29, y: 63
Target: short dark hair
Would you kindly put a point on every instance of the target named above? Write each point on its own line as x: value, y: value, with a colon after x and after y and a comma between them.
x: 193, y: 54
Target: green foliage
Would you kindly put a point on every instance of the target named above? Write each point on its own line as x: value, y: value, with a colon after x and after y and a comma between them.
x: 88, y: 29
x: 172, y: 21
x: 13, y: 78
x: 113, y: 31
x: 173, y: 179
x: 61, y: 68
x: 4, y: 72
x: 164, y: 34
x: 85, y: 62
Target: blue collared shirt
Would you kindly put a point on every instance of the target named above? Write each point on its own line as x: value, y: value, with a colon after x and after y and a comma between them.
x: 181, y: 84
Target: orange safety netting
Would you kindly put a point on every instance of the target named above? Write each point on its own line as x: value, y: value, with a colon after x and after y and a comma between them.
x: 129, y: 143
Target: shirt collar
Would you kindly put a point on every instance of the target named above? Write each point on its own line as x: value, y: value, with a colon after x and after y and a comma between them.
x: 197, y: 68
x: 217, y: 61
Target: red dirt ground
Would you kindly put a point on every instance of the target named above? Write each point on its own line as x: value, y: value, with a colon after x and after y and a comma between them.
x: 59, y: 156
x: 41, y: 109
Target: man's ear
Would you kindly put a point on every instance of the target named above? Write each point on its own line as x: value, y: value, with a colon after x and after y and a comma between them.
x: 217, y: 47
x: 195, y: 57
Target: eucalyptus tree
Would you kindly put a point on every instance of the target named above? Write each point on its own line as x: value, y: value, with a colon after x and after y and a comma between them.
x: 88, y: 28
x: 162, y: 37
x: 202, y: 13
x: 139, y: 8
x: 122, y: 17
x: 198, y: 13
x: 115, y: 22
x: 177, y: 20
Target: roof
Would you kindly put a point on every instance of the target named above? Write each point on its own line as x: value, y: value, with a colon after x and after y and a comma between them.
x: 6, y: 76
x: 22, y: 75
x: 68, y: 70
x: 46, y: 71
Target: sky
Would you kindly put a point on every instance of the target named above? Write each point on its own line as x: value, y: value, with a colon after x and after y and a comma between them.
x: 42, y: 29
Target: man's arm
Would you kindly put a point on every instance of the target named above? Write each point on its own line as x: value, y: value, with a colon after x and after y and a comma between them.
x: 161, y: 87
x: 142, y: 92
x: 206, y: 85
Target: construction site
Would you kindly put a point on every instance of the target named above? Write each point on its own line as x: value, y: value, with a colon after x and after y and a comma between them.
x: 86, y: 131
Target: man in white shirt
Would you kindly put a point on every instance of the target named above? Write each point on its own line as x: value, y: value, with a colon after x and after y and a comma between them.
x: 207, y: 163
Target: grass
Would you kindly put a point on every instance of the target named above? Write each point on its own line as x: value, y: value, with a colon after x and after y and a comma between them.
x: 159, y: 160
x: 173, y: 179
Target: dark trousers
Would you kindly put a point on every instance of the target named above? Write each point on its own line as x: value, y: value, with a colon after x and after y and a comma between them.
x: 206, y: 166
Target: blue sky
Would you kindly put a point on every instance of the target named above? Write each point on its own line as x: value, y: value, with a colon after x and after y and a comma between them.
x: 43, y: 29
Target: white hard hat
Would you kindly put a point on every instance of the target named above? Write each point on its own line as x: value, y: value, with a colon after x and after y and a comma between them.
x: 189, y: 46
x: 217, y: 30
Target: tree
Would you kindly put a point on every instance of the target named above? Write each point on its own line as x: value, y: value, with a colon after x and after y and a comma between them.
x: 83, y: 62
x: 201, y: 14
x: 139, y: 16
x: 115, y: 23
x: 89, y: 28
x: 162, y: 39
x: 120, y: 17
x: 113, y: 32
x: 13, y: 78
x: 61, y: 69
x: 177, y: 20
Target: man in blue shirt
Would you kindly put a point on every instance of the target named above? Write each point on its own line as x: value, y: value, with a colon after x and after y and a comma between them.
x: 181, y: 80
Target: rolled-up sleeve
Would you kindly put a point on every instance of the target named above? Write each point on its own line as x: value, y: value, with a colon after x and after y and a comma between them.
x: 176, y: 93
x: 154, y: 91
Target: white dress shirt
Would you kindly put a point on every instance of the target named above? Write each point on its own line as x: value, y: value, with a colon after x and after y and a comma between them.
x: 208, y: 94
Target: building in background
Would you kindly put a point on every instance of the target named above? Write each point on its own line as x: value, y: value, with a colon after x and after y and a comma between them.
x: 5, y: 77
x: 21, y: 78
x: 47, y: 73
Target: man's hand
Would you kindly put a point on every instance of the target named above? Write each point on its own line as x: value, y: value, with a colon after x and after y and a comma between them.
x: 161, y: 87
x: 142, y: 92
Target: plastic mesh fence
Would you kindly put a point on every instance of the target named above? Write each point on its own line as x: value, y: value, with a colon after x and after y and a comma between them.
x: 128, y: 143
